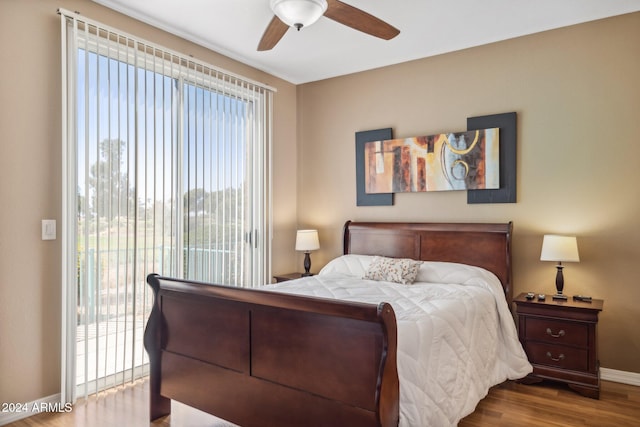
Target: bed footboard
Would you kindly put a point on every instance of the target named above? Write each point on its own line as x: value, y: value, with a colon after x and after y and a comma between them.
x: 270, y: 359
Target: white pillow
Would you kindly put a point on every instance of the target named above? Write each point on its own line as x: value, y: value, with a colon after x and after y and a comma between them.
x: 445, y: 272
x: 351, y: 264
x: 398, y: 270
x: 431, y: 272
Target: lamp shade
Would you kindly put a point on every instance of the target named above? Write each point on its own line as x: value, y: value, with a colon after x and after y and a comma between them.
x: 307, y: 240
x: 559, y: 249
x: 299, y: 13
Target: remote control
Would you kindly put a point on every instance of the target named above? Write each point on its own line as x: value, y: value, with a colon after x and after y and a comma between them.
x: 582, y: 298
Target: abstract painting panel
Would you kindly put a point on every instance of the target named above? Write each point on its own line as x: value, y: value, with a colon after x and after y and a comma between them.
x: 362, y: 197
x: 453, y: 161
x: 507, y: 193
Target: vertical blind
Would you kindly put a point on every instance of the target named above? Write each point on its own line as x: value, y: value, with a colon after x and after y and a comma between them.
x: 166, y: 169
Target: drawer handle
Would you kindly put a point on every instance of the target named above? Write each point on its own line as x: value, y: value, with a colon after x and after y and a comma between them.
x: 558, y: 335
x: 559, y: 358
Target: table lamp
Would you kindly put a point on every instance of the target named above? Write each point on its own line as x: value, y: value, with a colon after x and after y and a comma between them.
x: 307, y: 241
x: 559, y: 249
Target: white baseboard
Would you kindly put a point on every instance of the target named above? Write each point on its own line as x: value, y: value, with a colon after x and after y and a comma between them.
x: 14, y: 411
x: 631, y: 378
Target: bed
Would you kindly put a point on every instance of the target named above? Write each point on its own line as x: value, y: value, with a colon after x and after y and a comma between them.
x: 331, y: 350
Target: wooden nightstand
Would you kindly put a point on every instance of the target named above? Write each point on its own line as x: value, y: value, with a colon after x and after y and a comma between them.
x: 559, y: 338
x: 284, y: 277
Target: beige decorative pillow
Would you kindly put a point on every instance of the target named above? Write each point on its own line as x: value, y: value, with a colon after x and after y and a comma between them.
x: 398, y: 270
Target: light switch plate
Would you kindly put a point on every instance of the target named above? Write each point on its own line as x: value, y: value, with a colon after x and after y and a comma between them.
x: 48, y: 229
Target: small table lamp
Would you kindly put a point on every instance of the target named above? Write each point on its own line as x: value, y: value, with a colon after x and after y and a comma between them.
x: 307, y: 241
x: 559, y: 249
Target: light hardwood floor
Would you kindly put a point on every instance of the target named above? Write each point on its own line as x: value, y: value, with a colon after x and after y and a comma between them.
x: 553, y: 404
x: 509, y: 404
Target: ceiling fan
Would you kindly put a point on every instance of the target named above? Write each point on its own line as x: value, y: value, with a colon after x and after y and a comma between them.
x: 302, y: 13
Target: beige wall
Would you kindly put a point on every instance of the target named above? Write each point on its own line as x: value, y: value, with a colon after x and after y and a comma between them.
x: 30, y: 181
x: 577, y: 95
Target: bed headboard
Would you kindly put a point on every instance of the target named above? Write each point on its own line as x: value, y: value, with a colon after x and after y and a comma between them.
x: 483, y: 245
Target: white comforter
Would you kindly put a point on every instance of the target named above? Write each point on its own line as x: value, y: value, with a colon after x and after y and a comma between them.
x: 456, y: 336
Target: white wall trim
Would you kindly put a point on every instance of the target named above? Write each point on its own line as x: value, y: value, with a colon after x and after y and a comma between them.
x: 14, y: 411
x: 631, y: 378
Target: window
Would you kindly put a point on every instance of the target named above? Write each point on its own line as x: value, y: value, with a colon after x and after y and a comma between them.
x: 166, y: 170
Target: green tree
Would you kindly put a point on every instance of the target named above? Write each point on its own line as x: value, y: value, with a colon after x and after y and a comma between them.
x: 81, y: 212
x: 110, y: 195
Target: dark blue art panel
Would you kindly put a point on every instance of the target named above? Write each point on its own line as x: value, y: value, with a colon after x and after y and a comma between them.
x: 508, y: 137
x: 362, y: 198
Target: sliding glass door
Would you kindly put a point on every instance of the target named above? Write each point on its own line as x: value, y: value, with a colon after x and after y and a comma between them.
x: 166, y: 171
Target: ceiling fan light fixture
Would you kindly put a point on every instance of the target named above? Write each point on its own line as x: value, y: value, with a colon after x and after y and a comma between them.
x: 299, y: 13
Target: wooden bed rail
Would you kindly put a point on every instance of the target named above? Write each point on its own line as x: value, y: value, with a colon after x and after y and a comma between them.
x: 260, y: 358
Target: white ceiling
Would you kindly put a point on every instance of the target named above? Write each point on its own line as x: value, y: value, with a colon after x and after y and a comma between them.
x: 328, y: 49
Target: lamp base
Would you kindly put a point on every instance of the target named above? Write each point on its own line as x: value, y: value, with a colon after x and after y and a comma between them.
x: 307, y: 274
x: 559, y: 284
x: 307, y: 264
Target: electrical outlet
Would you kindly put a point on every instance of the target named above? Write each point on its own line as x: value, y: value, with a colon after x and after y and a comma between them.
x: 48, y: 229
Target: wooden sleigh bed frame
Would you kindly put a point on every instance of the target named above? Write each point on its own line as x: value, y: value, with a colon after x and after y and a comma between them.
x: 259, y: 358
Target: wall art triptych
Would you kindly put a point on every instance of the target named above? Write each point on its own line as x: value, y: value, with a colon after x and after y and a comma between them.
x: 480, y: 160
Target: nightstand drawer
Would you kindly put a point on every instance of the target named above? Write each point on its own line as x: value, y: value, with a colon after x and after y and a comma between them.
x: 559, y: 356
x: 557, y: 332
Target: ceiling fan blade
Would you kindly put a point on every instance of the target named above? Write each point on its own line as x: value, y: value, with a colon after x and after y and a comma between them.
x: 272, y: 35
x: 359, y: 20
